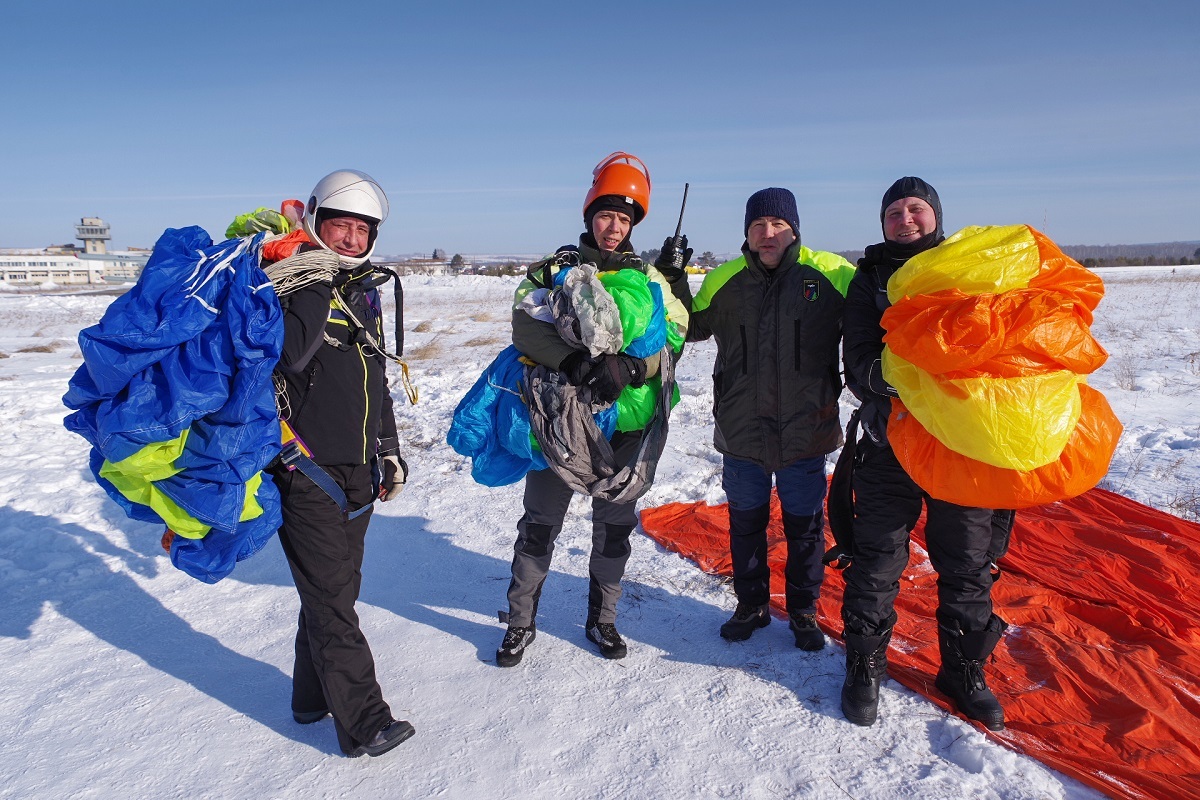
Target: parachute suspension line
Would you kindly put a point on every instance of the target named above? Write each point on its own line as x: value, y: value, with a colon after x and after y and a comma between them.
x: 303, y: 269
x: 375, y: 347
x: 282, y: 404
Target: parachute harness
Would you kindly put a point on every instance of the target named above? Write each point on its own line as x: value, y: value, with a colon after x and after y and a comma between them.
x: 320, y: 266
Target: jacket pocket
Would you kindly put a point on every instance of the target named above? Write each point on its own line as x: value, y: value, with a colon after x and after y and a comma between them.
x: 745, y: 349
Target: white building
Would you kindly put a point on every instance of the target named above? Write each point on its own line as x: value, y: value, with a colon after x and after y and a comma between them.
x: 66, y: 266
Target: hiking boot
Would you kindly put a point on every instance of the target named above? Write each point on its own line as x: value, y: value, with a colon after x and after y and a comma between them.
x: 309, y: 717
x: 516, y: 639
x: 808, y: 636
x: 866, y: 664
x: 746, y: 620
x: 605, y: 635
x: 388, y: 737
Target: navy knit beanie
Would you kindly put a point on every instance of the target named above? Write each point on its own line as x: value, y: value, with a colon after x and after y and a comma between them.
x: 773, y: 202
x: 913, y: 187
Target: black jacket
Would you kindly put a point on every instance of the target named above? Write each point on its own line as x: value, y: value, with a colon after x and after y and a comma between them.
x: 776, y: 379
x: 337, y: 395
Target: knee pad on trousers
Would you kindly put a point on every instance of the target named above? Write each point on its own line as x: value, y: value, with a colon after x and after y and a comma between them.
x: 537, y: 539
x: 616, y: 541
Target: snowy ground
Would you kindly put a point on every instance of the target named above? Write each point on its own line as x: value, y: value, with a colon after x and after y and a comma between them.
x: 126, y: 678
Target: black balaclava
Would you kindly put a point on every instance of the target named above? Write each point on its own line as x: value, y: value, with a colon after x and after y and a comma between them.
x: 612, y: 202
x: 910, y: 186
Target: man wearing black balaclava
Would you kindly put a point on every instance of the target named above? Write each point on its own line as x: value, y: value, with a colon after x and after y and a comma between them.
x: 887, y: 503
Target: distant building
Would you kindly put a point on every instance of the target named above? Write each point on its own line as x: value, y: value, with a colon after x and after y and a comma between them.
x: 67, y: 265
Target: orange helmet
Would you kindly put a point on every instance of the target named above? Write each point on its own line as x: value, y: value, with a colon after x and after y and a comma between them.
x: 617, y: 175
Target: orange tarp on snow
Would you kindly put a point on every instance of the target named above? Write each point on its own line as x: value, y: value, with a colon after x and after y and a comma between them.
x: 1099, y: 671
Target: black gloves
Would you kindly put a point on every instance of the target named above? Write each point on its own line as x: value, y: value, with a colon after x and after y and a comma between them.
x: 576, y: 367
x: 606, y: 375
x: 665, y: 263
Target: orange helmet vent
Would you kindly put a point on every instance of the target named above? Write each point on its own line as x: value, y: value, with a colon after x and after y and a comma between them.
x: 616, y: 174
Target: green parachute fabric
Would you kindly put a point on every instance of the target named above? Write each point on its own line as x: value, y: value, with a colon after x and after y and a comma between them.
x: 1099, y: 671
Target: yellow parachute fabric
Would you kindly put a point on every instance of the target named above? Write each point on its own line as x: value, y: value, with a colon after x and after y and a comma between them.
x: 134, y: 478
x: 988, y: 345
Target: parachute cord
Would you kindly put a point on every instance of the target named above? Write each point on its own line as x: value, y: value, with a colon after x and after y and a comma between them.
x: 405, y: 380
x: 283, y: 406
x: 303, y: 269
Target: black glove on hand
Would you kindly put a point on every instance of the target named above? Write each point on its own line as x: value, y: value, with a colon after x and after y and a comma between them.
x: 395, y: 475
x: 576, y: 367
x: 612, y: 373
x: 665, y: 263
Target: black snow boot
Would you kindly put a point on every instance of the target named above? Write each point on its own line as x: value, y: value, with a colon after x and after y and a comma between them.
x: 746, y: 620
x: 866, y: 664
x: 389, y: 736
x: 961, y: 677
x: 512, y: 649
x: 605, y: 636
x: 808, y: 635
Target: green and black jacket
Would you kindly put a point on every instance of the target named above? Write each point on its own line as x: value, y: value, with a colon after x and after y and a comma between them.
x: 776, y: 379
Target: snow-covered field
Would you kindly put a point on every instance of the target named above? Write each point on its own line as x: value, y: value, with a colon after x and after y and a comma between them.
x: 123, y: 677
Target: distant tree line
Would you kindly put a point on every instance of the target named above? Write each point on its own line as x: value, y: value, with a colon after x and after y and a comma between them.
x: 1092, y: 256
x: 1133, y: 261
x: 1160, y: 253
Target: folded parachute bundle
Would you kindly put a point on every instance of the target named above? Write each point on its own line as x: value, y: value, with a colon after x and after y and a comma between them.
x: 988, y: 345
x: 175, y: 396
x: 605, y: 312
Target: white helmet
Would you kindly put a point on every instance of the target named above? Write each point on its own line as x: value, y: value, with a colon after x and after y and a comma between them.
x: 346, y: 192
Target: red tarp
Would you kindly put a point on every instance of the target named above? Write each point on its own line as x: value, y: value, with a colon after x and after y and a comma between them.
x: 1099, y: 671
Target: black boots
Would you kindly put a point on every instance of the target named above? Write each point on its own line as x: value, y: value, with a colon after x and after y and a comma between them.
x: 604, y: 635
x: 746, y: 620
x: 961, y: 676
x: 512, y: 649
x: 866, y: 664
x: 808, y: 635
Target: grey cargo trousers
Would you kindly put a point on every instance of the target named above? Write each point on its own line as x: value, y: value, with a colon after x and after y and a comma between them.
x: 547, y: 498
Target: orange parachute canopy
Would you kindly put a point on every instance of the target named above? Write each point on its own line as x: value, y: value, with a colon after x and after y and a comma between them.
x: 988, y: 345
x: 1099, y: 672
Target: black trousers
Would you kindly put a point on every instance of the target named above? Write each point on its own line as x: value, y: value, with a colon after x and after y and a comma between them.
x: 334, y: 666
x: 959, y: 540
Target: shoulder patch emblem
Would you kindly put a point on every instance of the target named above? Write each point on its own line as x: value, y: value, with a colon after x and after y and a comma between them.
x: 811, y: 289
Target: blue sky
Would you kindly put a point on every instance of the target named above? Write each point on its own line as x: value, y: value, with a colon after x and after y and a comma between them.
x: 483, y: 120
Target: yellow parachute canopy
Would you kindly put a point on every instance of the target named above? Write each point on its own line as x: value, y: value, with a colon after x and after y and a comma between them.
x: 988, y: 345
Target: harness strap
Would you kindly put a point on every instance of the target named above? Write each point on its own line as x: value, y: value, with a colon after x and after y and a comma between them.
x: 293, y: 457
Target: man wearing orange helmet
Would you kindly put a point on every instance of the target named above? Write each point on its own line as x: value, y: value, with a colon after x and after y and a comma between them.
x: 617, y: 201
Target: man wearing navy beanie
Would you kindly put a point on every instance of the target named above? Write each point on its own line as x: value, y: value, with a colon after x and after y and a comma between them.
x: 775, y: 313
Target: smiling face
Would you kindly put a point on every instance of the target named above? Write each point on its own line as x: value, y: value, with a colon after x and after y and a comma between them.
x: 346, y: 236
x: 610, y: 229
x: 908, y: 219
x: 769, y: 237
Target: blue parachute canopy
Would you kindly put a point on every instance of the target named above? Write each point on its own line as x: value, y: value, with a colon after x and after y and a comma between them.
x: 175, y: 397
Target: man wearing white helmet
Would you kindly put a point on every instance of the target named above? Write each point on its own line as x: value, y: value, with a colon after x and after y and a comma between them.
x: 336, y: 399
